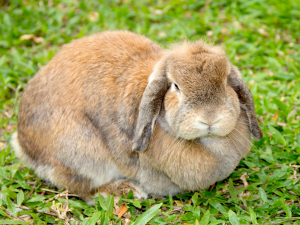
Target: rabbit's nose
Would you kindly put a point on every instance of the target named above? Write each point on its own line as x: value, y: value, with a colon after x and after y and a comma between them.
x: 208, y: 122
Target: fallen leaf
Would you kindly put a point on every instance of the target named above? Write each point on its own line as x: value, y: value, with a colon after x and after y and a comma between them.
x: 158, y: 12
x: 263, y: 32
x: 281, y: 124
x: 275, y: 116
x: 269, y: 72
x: 162, y: 34
x: 243, y: 178
x: 292, y: 114
x: 223, y: 17
x: 293, y: 193
x: 236, y: 24
x: 25, y: 217
x: 224, y: 30
x: 127, y: 221
x: 127, y: 215
x: 261, y: 119
x: 251, y: 82
x: 32, y: 37
x: 277, y: 37
x: 116, y: 210
x: 27, y: 37
x: 7, y: 114
x: 188, y: 14
x: 289, y: 202
x: 122, y: 211
x: 93, y: 16
x: 246, y: 194
x: 178, y: 203
x: 209, y: 33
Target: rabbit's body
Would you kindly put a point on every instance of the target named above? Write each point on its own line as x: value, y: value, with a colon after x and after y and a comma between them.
x: 81, y: 121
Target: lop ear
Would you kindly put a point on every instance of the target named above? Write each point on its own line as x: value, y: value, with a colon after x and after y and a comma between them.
x: 150, y: 105
x: 239, y: 86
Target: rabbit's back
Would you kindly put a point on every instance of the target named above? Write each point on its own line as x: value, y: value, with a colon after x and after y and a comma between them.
x: 81, y: 108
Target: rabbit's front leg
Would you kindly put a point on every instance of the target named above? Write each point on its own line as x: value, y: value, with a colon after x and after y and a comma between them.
x: 118, y: 188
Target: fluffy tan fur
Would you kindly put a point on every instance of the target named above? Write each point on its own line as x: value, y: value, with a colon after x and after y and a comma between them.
x: 114, y: 111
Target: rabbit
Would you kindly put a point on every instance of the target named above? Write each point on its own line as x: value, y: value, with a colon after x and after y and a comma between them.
x: 114, y: 112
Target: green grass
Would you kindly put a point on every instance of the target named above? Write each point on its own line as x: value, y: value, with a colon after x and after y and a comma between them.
x: 262, y: 39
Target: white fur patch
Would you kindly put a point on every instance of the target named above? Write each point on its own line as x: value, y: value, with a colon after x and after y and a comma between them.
x: 16, y: 145
x: 173, y: 88
x: 43, y: 171
x: 152, y: 77
x: 216, y: 145
x: 109, y: 174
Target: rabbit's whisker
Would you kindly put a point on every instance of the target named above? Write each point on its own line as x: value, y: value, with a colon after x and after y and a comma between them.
x: 233, y: 141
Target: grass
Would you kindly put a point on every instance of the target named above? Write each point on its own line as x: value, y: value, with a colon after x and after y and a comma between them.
x: 262, y: 39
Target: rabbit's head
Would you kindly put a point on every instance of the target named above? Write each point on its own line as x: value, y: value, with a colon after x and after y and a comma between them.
x: 195, y: 92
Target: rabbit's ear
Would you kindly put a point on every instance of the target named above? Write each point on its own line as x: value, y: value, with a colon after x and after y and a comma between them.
x: 246, y: 100
x: 150, y: 106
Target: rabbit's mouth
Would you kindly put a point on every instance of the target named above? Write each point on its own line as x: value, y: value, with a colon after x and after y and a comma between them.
x: 206, y: 138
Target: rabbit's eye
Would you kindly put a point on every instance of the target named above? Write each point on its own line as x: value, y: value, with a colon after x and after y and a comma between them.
x: 176, y: 87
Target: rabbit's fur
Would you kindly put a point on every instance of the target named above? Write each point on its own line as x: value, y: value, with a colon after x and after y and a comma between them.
x: 113, y: 112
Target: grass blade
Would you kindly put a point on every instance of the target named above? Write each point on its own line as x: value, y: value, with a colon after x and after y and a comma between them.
x: 93, y: 220
x: 233, y: 218
x: 147, y: 215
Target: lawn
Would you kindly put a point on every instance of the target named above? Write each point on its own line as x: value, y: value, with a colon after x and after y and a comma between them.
x: 261, y: 37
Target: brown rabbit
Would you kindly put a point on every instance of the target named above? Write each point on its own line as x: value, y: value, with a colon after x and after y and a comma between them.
x: 113, y: 112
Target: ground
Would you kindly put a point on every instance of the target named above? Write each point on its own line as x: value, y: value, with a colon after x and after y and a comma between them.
x: 261, y: 38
